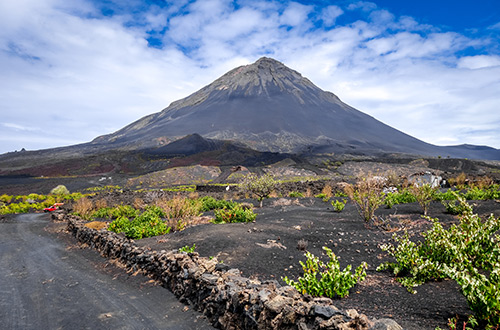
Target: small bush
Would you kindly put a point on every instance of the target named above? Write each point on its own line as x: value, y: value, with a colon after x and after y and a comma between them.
x: 208, y: 203
x: 302, y: 245
x: 338, y: 206
x: 100, y: 203
x: 449, y: 195
x: 5, y: 198
x: 60, y: 190
x: 179, y: 208
x: 475, y: 194
x: 188, y: 249
x: 116, y: 212
x: 453, y: 324
x: 147, y: 224
x: 459, y: 181
x: 483, y: 182
x: 332, y: 282
x: 83, y: 208
x: 367, y: 195
x: 295, y: 194
x: 454, y: 207
x: 424, y: 194
x: 139, y: 203
x: 260, y: 186
x: 323, y: 196
x: 119, y: 225
x: 327, y: 192
x: 340, y: 193
x: 235, y: 214
x: 403, y: 197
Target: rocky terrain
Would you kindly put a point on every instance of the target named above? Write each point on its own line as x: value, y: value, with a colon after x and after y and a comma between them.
x: 272, y: 246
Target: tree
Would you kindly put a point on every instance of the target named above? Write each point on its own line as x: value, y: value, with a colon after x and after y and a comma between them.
x: 60, y: 190
x: 424, y: 195
x: 261, y: 186
x: 367, y: 195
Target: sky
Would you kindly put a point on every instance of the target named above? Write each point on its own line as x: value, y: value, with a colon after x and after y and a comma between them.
x: 74, y: 70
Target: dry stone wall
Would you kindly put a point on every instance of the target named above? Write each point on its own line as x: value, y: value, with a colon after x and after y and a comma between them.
x: 227, y: 299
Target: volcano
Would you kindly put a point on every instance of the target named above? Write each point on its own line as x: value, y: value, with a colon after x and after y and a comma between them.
x: 270, y: 107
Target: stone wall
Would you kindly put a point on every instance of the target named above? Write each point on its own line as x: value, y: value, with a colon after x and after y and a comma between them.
x: 227, y: 299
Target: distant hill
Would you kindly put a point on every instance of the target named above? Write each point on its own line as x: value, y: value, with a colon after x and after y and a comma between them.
x: 249, y: 114
x: 270, y: 107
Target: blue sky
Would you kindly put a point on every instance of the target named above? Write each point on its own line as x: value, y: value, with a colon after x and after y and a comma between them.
x: 74, y: 70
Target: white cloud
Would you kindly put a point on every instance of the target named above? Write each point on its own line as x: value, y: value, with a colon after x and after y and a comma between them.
x: 363, y: 5
x: 64, y: 65
x: 295, y: 14
x: 495, y: 26
x: 330, y: 14
x: 18, y: 127
x: 478, y: 62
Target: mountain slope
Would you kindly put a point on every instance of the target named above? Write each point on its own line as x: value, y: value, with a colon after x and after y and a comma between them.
x: 269, y: 107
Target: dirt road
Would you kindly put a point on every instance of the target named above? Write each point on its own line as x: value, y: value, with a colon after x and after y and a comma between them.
x: 47, y: 282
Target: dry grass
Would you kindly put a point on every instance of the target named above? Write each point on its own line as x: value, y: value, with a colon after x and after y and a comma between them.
x: 181, y: 212
x: 179, y: 207
x: 100, y: 204
x: 97, y: 225
x: 483, y: 182
x: 327, y: 191
x: 181, y: 224
x: 193, y: 195
x: 393, y: 180
x: 308, y: 193
x: 459, y: 181
x: 367, y: 195
x: 302, y: 245
x: 286, y: 202
x: 139, y: 203
x: 274, y: 194
x: 246, y: 206
x: 84, y: 207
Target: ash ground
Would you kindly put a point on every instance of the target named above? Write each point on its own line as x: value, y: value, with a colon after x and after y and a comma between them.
x: 268, y: 249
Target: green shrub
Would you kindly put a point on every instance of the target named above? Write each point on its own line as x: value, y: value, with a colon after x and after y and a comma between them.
x: 116, y: 212
x: 338, y: 206
x: 453, y: 324
x: 188, y: 249
x: 454, y: 207
x: 424, y: 194
x: 27, y: 203
x: 449, y: 195
x: 295, y: 194
x: 260, y: 186
x: 179, y: 207
x: 147, y: 224
x: 14, y: 208
x: 468, y: 253
x: 154, y: 210
x: 340, y: 194
x: 402, y: 197
x: 367, y: 195
x: 332, y: 282
x: 119, y: 225
x: 235, y: 214
x: 323, y: 196
x: 60, y: 190
x: 6, y: 198
x: 209, y: 203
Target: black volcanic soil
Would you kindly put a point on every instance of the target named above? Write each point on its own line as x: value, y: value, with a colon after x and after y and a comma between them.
x: 267, y: 249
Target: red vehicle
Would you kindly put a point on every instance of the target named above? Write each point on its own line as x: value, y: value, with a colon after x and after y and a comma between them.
x: 53, y: 207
